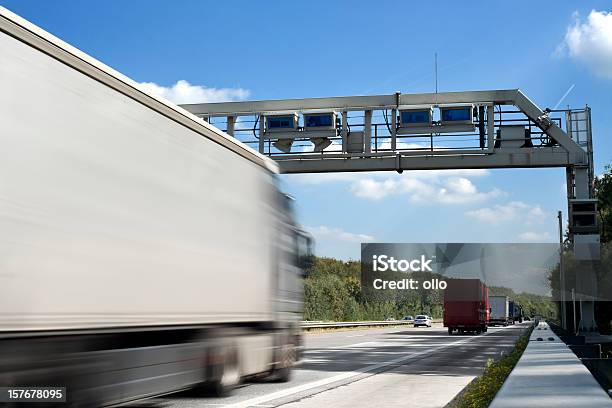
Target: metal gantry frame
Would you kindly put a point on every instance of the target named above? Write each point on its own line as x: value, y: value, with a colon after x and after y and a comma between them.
x: 570, y: 148
x: 384, y: 145
x: 565, y: 152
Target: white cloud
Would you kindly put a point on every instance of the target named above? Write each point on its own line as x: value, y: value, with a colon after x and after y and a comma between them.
x: 531, y: 236
x: 183, y: 92
x: 590, y: 42
x: 512, y: 211
x: 421, y: 187
x: 323, y: 231
x: 374, y: 190
x: 451, y: 190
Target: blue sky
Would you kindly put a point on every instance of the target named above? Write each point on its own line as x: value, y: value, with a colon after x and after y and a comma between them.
x: 271, y: 50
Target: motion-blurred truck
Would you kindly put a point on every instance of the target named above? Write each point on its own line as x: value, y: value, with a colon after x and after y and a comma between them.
x: 466, y: 306
x: 143, y: 251
x: 500, y: 310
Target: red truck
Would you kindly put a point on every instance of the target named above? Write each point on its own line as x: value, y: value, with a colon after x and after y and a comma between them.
x: 466, y: 306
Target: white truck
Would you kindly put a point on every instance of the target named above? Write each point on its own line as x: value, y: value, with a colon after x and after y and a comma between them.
x: 142, y: 250
x: 500, y: 310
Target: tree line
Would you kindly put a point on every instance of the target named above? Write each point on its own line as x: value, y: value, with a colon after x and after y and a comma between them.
x: 332, y: 292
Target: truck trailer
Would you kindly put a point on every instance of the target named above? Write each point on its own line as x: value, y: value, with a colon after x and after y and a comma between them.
x: 143, y: 251
x: 466, y: 306
x: 500, y: 310
x: 517, y: 315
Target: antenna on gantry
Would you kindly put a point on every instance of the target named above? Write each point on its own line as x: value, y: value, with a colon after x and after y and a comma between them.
x: 436, y: 69
x: 436, y: 76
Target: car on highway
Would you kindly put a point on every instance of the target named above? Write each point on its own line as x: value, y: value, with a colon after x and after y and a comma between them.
x: 422, y: 320
x: 390, y: 319
x: 408, y: 318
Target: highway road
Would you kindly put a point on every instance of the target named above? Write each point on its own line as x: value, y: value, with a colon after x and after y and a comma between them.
x: 402, y: 366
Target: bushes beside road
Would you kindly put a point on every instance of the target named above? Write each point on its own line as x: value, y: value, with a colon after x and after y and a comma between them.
x: 332, y: 291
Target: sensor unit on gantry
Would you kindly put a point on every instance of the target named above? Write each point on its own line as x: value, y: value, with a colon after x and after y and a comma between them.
x: 282, y: 127
x: 457, y: 118
x: 320, y: 121
x: 456, y: 115
x: 416, y: 120
x: 416, y: 117
x: 319, y: 127
x: 282, y: 123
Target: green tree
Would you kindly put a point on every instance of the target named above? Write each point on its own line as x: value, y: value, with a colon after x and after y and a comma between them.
x: 327, y: 298
x: 603, y: 192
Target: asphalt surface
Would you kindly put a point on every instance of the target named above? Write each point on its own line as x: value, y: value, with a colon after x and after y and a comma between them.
x: 405, y: 366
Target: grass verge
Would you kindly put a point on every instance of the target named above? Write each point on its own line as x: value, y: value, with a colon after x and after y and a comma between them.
x: 481, y: 391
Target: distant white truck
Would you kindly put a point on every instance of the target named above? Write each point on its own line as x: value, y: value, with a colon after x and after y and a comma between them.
x: 500, y: 310
x: 142, y: 250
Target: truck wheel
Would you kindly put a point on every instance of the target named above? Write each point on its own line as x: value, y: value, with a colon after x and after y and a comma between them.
x: 226, y: 374
x: 282, y: 372
x: 450, y: 331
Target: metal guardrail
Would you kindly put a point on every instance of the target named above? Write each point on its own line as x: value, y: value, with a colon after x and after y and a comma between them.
x: 333, y: 325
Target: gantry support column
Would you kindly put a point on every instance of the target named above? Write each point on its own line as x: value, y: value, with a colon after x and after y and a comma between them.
x: 231, y: 124
x: 586, y: 251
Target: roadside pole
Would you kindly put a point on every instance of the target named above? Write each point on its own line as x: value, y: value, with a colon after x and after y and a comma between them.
x: 562, y: 272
